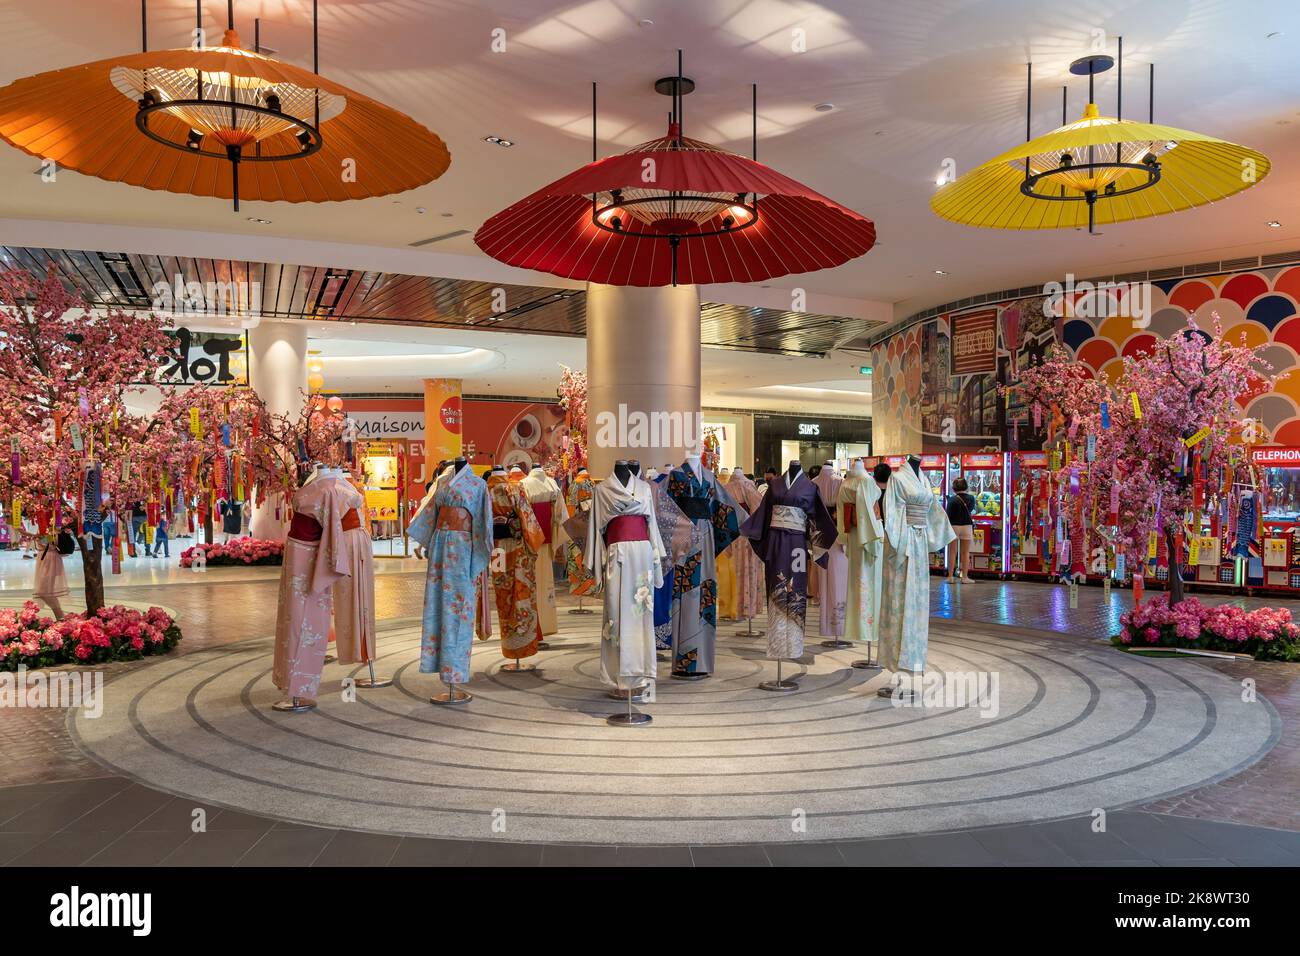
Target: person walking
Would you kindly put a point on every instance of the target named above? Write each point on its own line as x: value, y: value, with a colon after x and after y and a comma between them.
x: 139, y: 518
x: 961, y: 507
x: 160, y: 549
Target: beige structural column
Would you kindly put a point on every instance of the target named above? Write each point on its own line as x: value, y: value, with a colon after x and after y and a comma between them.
x: 643, y: 375
x: 277, y: 371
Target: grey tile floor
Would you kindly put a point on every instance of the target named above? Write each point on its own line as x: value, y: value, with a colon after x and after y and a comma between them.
x: 108, y: 821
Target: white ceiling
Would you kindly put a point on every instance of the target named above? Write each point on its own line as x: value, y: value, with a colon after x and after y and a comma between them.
x: 912, y: 83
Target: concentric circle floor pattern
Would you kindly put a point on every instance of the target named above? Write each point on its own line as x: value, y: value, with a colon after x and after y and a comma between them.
x: 531, y: 758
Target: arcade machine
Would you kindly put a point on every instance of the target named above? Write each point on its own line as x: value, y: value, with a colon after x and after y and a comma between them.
x: 934, y: 470
x: 1030, y: 536
x: 985, y: 475
x: 1279, y: 479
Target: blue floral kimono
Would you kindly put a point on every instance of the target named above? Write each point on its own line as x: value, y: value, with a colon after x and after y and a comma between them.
x: 712, y: 510
x: 455, y: 528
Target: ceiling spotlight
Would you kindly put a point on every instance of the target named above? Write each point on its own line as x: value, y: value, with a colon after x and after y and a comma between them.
x: 260, y: 222
x: 1274, y: 224
x: 193, y: 139
x: 824, y: 107
x: 1273, y: 35
x: 420, y: 210
x: 940, y: 272
x: 645, y: 23
x: 498, y: 141
x: 273, y: 101
x: 304, y: 138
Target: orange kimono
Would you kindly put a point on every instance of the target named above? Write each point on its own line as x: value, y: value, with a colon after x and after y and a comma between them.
x: 517, y: 538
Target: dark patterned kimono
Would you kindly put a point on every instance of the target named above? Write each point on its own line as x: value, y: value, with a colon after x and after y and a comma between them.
x: 712, y: 510
x: 789, y: 523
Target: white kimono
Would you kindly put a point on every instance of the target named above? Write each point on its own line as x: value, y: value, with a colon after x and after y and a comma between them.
x: 630, y: 570
x: 915, y: 525
x: 863, y: 537
x: 544, y: 495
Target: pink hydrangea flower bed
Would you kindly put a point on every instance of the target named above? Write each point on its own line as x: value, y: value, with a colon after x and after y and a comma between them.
x: 1266, y: 633
x: 240, y: 551
x: 116, y: 633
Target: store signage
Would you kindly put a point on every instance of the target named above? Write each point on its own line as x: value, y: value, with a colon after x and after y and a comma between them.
x: 200, y: 357
x: 1275, y: 456
x: 377, y: 425
x: 981, y: 461
x: 1034, y: 459
x: 809, y: 428
x: 974, y: 342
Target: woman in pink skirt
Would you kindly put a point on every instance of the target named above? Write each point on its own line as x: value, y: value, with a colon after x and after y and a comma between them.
x: 51, y: 582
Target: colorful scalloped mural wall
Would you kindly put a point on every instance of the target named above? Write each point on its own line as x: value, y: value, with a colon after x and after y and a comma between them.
x: 915, y: 402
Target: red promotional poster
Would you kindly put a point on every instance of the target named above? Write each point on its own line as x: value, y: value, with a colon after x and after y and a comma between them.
x: 975, y: 342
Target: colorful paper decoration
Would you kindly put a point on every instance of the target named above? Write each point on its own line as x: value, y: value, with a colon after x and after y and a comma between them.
x: 1199, y: 437
x: 1105, y: 415
x: 1137, y: 407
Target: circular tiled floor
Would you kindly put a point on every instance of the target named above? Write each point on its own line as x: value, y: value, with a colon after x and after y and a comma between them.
x: 1076, y: 727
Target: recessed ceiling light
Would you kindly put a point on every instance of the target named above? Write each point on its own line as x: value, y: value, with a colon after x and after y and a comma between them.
x: 421, y: 210
x: 824, y: 107
x: 1274, y: 224
x: 1274, y: 35
x: 940, y: 272
x: 447, y: 215
x: 260, y: 222
x: 645, y: 23
x: 498, y: 141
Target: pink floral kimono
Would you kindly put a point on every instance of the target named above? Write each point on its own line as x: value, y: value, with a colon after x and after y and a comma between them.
x: 750, y: 594
x: 315, y: 558
x: 354, y: 596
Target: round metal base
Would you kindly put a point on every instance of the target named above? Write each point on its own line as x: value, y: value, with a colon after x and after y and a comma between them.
x: 667, y: 85
x: 518, y: 667
x: 543, y: 646
x: 865, y: 666
x: 838, y: 645
x: 1092, y: 64
x: 453, y: 696
x: 778, y: 685
x: 581, y: 610
x: 371, y: 684
x: 638, y: 696
x: 294, y: 706
x: 690, y: 676
x: 629, y: 720
x: 888, y: 692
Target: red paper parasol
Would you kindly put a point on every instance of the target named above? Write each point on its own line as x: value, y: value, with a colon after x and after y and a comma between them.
x: 675, y: 210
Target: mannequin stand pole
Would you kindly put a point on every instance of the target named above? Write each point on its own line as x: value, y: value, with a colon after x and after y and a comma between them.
x: 837, y: 644
x: 294, y: 705
x: 517, y: 667
x: 372, y: 681
x: 580, y: 609
x: 631, y: 718
x: 778, y: 684
x: 452, y: 695
x: 633, y: 695
x: 749, y: 629
x: 868, y: 664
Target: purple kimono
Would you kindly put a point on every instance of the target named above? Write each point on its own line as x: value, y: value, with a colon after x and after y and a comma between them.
x: 789, y: 522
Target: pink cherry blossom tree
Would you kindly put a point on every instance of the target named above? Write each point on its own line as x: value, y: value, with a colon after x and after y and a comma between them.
x: 1159, y: 437
x: 65, y: 372
x: 573, y: 399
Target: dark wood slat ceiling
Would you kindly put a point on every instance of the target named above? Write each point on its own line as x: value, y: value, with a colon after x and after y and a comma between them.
x: 126, y: 280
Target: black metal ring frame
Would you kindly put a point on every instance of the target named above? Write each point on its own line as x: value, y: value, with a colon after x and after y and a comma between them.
x: 142, y: 122
x: 1152, y: 171
x: 598, y: 211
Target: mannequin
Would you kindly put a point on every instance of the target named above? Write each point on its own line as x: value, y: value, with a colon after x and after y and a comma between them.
x: 316, y: 557
x: 750, y: 597
x: 790, y: 521
x: 833, y: 577
x: 623, y: 552
x: 517, y: 540
x: 635, y: 466
x: 548, y: 506
x: 862, y: 533
x: 697, y: 492
x: 455, y: 528
x: 914, y: 525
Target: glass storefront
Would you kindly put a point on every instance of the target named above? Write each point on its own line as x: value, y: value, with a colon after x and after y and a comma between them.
x: 813, y: 440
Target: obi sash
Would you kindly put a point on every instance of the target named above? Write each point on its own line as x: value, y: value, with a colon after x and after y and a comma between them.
x: 452, y: 518
x: 789, y: 518
x: 626, y: 528
x: 850, y: 516
x: 303, y: 527
x: 697, y: 509
x: 917, y: 513
x: 543, y: 511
